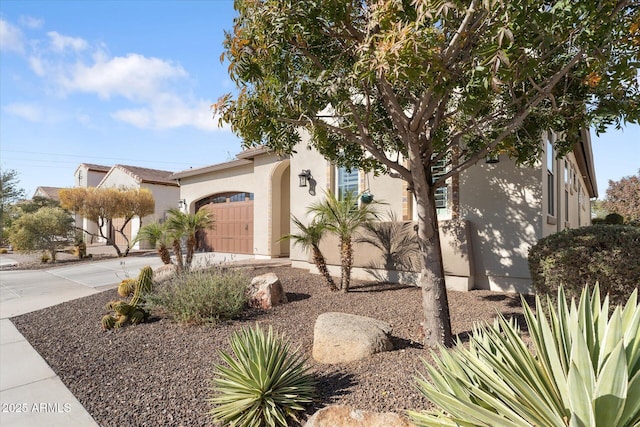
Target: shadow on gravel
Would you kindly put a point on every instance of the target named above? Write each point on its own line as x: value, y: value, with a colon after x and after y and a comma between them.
x: 378, y: 287
x: 511, y: 300
x: 331, y: 386
x: 401, y: 343
x: 293, y: 297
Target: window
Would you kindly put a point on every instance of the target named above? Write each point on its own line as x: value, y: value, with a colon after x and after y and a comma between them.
x: 347, y: 182
x: 437, y: 170
x: 551, y: 209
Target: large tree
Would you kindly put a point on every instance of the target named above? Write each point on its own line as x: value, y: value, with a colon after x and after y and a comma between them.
x: 623, y: 197
x: 48, y: 229
x: 10, y: 193
x: 104, y: 205
x: 397, y: 85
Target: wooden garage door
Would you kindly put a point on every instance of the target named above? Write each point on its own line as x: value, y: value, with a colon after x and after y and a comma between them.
x: 233, y: 214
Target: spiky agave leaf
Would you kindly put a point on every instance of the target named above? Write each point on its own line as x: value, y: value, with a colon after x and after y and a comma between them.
x: 264, y: 382
x: 584, y: 369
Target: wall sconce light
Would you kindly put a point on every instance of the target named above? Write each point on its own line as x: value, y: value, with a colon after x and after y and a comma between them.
x: 182, y: 203
x: 492, y: 158
x: 304, y: 177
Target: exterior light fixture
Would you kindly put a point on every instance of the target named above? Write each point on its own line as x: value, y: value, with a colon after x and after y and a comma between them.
x: 304, y: 177
x: 182, y: 203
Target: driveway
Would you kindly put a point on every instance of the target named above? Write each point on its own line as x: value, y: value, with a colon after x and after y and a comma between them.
x: 23, y: 291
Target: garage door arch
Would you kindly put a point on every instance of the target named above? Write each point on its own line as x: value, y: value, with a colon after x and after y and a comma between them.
x: 233, y: 229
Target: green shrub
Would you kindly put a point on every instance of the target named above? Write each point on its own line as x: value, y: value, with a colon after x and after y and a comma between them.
x: 203, y: 296
x: 575, y: 258
x: 583, y: 370
x: 614, y: 218
x: 263, y: 385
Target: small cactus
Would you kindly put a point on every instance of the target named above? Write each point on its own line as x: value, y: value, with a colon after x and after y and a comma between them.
x: 129, y: 312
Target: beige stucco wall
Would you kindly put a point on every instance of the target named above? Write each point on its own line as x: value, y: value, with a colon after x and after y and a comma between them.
x: 267, y: 176
x: 502, y: 201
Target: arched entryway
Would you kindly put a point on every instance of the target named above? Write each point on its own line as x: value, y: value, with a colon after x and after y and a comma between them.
x: 233, y: 231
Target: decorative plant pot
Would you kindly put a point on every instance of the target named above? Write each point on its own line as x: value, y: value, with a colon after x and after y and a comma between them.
x: 366, y: 198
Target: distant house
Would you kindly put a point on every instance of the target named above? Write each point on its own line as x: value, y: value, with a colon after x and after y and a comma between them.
x: 490, y: 215
x: 165, y: 191
x: 50, y: 193
x: 89, y: 175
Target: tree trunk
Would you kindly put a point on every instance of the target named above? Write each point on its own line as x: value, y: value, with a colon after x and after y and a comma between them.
x: 435, y: 305
x: 177, y: 251
x: 321, y: 263
x: 165, y: 256
x: 346, y: 252
x: 191, y: 248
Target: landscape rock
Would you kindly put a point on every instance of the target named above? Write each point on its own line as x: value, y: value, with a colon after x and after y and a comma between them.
x: 266, y: 291
x: 342, y: 337
x: 164, y: 272
x: 347, y: 416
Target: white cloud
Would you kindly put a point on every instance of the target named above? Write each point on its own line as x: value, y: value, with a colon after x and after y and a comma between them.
x: 31, y: 22
x: 11, y: 38
x: 61, y: 43
x: 171, y: 112
x: 134, y: 77
x: 30, y: 112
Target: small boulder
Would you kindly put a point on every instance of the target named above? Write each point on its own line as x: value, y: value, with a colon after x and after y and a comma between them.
x: 342, y: 337
x: 164, y: 272
x: 266, y: 291
x: 346, y: 416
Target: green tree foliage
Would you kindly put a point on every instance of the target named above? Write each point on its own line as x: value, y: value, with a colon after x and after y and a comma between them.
x: 157, y: 235
x: 623, y: 197
x: 397, y: 85
x: 10, y: 193
x: 36, y: 203
x: 309, y: 237
x: 186, y: 225
x: 104, y: 205
x: 343, y: 218
x: 48, y: 229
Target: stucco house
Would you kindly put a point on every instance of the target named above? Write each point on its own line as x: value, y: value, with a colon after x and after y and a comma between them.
x: 164, y: 189
x: 490, y: 215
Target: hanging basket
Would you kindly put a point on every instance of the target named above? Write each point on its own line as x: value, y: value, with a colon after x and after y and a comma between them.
x: 366, y: 198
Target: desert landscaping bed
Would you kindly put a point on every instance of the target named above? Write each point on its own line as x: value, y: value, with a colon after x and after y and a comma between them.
x: 158, y: 373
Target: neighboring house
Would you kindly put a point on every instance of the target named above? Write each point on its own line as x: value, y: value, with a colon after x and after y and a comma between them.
x: 50, y: 193
x: 165, y: 191
x: 490, y: 215
x: 89, y: 175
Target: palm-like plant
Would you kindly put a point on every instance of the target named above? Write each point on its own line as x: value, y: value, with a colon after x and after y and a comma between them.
x: 584, y: 370
x: 343, y: 217
x: 264, y: 384
x: 187, y: 225
x: 308, y: 237
x: 159, y: 237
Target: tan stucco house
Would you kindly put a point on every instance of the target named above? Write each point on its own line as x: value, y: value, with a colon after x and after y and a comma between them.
x: 164, y: 189
x: 490, y: 215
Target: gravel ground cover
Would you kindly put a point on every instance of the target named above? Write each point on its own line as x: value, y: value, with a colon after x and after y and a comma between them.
x: 158, y: 373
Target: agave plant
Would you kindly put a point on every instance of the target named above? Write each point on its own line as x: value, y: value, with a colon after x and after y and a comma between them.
x: 584, y: 370
x: 264, y: 385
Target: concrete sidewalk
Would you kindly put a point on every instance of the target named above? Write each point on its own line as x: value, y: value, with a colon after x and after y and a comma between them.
x: 31, y: 394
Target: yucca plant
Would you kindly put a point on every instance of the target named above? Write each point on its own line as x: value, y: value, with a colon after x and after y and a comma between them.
x: 584, y: 370
x: 264, y: 384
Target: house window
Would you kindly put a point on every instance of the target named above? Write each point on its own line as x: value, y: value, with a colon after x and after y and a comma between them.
x: 438, y: 169
x: 347, y: 182
x: 551, y: 209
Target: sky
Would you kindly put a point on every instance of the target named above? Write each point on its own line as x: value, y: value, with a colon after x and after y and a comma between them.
x: 132, y: 82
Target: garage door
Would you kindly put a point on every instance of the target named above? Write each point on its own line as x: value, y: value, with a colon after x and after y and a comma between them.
x: 233, y: 214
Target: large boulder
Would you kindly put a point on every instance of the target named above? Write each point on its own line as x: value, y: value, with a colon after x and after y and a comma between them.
x: 342, y: 337
x: 265, y: 291
x: 346, y: 416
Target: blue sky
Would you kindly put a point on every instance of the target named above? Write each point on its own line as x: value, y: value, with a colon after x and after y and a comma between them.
x: 131, y: 82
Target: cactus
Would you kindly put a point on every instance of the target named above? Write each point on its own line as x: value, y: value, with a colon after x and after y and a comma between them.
x: 129, y: 312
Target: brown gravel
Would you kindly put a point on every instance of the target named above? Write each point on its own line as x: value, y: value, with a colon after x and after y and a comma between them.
x: 158, y: 373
